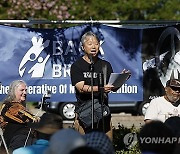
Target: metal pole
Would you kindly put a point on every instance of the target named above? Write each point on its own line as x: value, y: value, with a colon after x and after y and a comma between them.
x: 119, y: 22
x: 92, y: 95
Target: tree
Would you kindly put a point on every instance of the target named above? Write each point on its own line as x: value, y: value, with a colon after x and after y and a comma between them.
x: 35, y: 9
x: 127, y: 9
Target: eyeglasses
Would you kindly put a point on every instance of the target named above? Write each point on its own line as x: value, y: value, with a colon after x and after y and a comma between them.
x: 176, y: 89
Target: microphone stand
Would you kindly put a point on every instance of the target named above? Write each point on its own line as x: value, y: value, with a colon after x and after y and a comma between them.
x: 92, y: 94
x: 101, y: 90
x: 46, y: 95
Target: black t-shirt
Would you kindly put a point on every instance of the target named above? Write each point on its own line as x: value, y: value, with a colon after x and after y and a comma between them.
x: 80, y: 71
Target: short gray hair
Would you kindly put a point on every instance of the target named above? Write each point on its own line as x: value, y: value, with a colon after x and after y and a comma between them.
x: 12, y: 87
x: 87, y: 34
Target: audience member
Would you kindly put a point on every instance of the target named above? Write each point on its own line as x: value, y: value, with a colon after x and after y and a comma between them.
x: 84, y: 150
x: 156, y: 138
x: 49, y: 124
x: 174, y: 124
x: 100, y: 142
x: 65, y: 141
x: 161, y: 108
x: 15, y: 117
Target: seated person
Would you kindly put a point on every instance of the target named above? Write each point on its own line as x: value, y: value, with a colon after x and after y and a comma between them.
x: 164, y: 107
x: 15, y: 117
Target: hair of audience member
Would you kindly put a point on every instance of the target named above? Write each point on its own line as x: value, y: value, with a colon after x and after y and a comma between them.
x: 49, y: 124
x: 157, y: 130
x: 64, y: 141
x: 174, y: 124
x: 84, y: 150
x: 100, y: 142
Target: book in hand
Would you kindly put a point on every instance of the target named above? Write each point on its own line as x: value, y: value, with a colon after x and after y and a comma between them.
x: 118, y: 79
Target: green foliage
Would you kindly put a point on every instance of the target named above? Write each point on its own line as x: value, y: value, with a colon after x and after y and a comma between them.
x: 126, y: 9
x: 118, y: 136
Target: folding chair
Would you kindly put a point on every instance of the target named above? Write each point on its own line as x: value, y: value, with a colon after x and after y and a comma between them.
x: 3, y: 141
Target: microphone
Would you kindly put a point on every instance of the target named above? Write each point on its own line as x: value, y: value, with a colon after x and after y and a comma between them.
x: 91, y: 67
x: 90, y: 56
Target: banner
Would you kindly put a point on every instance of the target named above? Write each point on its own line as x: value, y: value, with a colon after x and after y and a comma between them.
x: 161, y: 58
x: 43, y: 57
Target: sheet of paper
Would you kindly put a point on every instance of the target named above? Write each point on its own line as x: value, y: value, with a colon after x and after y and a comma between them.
x: 118, y: 79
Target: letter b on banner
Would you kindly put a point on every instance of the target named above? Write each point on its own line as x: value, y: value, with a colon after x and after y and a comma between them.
x: 57, y: 71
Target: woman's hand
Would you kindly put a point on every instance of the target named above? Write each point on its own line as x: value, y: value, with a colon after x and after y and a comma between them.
x: 36, y: 119
x: 126, y: 71
x: 108, y: 88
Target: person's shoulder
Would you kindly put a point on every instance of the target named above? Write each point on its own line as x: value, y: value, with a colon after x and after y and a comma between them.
x: 158, y: 98
x: 103, y: 61
x: 79, y: 60
x: 42, y: 142
x: 23, y: 150
x: 158, y: 101
x: 6, y: 103
x: 38, y: 147
x: 5, y: 106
